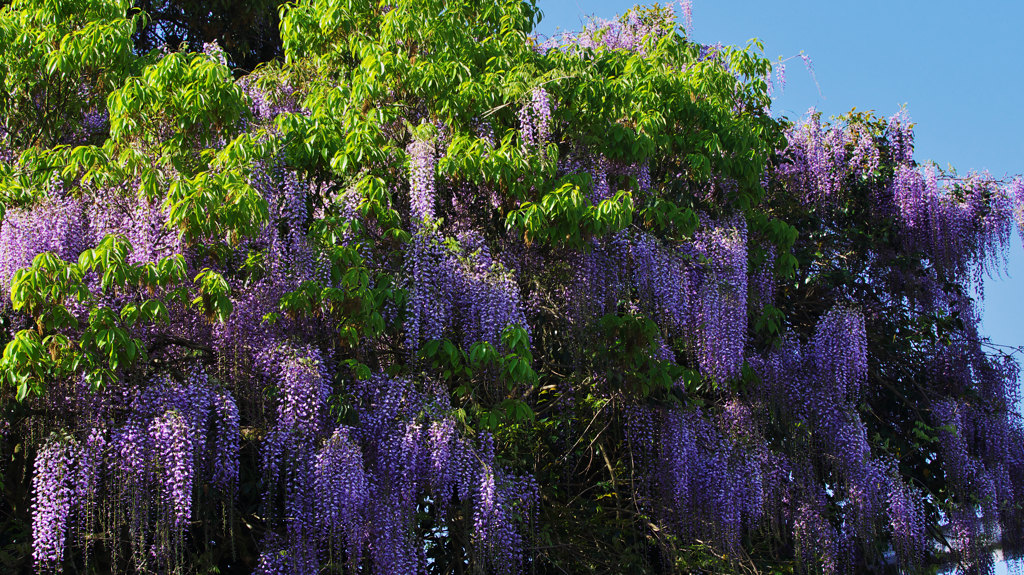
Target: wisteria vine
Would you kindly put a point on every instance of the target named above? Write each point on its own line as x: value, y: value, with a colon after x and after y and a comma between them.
x: 438, y: 295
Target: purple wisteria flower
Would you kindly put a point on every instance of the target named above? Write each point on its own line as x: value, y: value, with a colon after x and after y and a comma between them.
x: 53, y: 500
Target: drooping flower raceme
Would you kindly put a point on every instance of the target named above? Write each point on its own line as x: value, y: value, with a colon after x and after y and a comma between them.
x: 174, y: 449
x: 342, y: 493
x: 53, y: 495
x: 57, y: 225
x: 722, y: 308
x: 841, y: 351
x: 421, y: 180
x: 535, y: 119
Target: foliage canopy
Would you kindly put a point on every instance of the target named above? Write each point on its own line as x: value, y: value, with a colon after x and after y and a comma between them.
x: 427, y: 294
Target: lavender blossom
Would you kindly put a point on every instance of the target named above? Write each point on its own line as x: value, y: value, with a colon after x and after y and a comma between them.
x: 421, y: 181
x: 173, y: 446
x: 722, y: 306
x: 53, y: 495
x: 840, y: 350
x: 535, y: 119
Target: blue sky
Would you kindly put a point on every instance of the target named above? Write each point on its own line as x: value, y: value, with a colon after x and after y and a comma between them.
x: 956, y: 66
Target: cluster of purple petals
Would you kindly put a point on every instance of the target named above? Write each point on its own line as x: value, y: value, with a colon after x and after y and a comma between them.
x: 290, y: 258
x: 141, y: 221
x: 134, y: 480
x: 970, y: 540
x: 535, y: 119
x: 274, y: 563
x: 643, y: 177
x: 498, y: 497
x: 445, y: 462
x: 395, y: 454
x: 213, y: 49
x: 815, y: 537
x: 817, y: 160
x: 665, y: 281
x: 900, y: 136
x: 490, y: 299
x: 1017, y: 194
x: 94, y: 123
x: 600, y: 188
x: 630, y: 33
x: 606, y: 175
x: 302, y: 392
x: 961, y: 224
x: 865, y: 157
x: 288, y: 470
x: 1010, y: 485
x: 433, y: 272
x: 840, y: 350
x: 911, y: 199
x: 711, y: 477
x: 171, y: 442
x: 907, y: 524
x: 146, y: 470
x: 598, y: 279
x: 354, y: 492
x: 173, y: 449
x: 67, y: 225
x: 780, y: 75
x: 642, y: 432
x: 56, y: 224
x: 421, y: 181
x: 342, y: 493
x: 474, y: 295
x: 843, y: 444
x: 484, y: 130
x: 706, y: 303
x: 977, y: 466
x: 302, y: 380
x: 274, y: 560
x: 815, y: 385
x: 53, y: 500
x: 91, y: 467
x: 721, y: 306
x: 301, y: 261
x: 686, y: 6
x: 270, y: 102
x: 541, y: 106
x: 955, y: 223
x: 762, y: 281
x: 224, y: 445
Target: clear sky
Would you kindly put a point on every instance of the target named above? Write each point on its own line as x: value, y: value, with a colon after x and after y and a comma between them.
x: 957, y: 66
